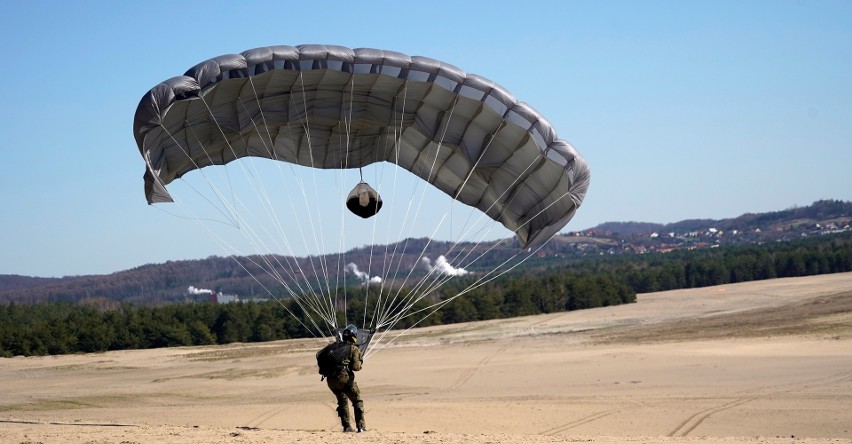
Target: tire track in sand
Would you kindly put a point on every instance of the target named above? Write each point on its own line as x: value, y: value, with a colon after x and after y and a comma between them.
x: 265, y: 416
x: 468, y: 373
x: 686, y: 427
x: 578, y: 422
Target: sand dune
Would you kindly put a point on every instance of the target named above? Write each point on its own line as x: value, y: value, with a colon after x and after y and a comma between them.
x: 760, y: 362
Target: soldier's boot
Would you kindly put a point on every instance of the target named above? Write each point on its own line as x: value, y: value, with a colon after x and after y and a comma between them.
x: 359, y: 416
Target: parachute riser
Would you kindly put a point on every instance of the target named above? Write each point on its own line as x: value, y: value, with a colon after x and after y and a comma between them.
x: 364, y: 336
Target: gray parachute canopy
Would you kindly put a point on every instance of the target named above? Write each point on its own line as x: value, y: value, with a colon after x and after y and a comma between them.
x: 334, y: 107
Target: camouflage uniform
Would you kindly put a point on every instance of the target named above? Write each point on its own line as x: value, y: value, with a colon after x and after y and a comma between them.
x: 345, y: 388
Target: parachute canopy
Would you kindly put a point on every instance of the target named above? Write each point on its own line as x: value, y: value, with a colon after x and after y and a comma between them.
x: 334, y: 107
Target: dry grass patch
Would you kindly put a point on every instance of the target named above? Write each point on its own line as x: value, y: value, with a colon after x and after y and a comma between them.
x: 829, y: 315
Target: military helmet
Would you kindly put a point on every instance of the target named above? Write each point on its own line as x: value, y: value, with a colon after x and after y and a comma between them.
x: 350, y: 333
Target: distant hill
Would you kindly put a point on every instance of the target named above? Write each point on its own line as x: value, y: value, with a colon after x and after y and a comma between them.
x: 169, y: 282
x: 9, y: 282
x: 823, y: 211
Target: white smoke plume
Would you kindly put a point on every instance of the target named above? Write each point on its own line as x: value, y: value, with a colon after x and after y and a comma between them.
x: 364, y: 277
x: 443, y: 267
x: 193, y: 290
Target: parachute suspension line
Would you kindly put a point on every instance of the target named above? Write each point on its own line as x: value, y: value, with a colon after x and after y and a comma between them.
x: 306, y: 131
x: 189, y: 214
x: 482, y: 214
x: 273, y: 155
x: 393, y: 145
x: 405, y: 303
x: 320, y: 295
x: 368, y: 323
x: 465, y: 230
x: 398, y: 310
x: 438, y: 147
x: 299, y: 226
x: 313, y: 301
x: 485, y: 279
x: 438, y: 282
x: 365, y: 321
x: 307, y: 300
x: 249, y: 175
x: 232, y: 252
x: 438, y: 305
x: 185, y: 150
x: 270, y: 268
x: 377, y: 345
x: 259, y: 190
x: 387, y: 260
x: 463, y: 260
x: 395, y: 130
x: 271, y: 147
x: 341, y: 256
x: 390, y: 302
x: 295, y: 141
x: 228, y: 206
x: 316, y: 329
x: 321, y: 244
x: 290, y: 260
x: 393, y: 306
x: 301, y: 186
x: 473, y: 168
x: 223, y: 244
x: 292, y: 294
x: 248, y: 229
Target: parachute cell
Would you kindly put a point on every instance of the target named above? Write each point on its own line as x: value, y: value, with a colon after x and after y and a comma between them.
x: 333, y: 107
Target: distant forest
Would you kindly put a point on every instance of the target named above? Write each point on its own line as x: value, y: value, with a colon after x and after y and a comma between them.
x: 101, y: 324
x: 158, y: 284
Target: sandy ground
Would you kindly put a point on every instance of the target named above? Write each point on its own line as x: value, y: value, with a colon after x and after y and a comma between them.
x: 761, y: 362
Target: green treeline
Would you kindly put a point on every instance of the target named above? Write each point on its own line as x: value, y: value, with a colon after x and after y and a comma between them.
x: 66, y: 327
x: 540, y: 287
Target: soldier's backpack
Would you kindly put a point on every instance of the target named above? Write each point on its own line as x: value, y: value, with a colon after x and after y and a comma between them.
x: 333, y: 361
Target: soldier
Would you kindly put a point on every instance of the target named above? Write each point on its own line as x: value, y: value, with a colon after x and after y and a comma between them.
x: 340, y: 374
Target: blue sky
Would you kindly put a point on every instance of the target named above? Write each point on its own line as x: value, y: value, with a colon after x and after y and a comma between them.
x: 683, y: 109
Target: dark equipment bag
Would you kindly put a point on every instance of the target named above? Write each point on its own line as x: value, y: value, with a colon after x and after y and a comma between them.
x: 333, y: 361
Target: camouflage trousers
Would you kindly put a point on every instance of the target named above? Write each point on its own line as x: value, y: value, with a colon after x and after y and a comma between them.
x: 346, y: 392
